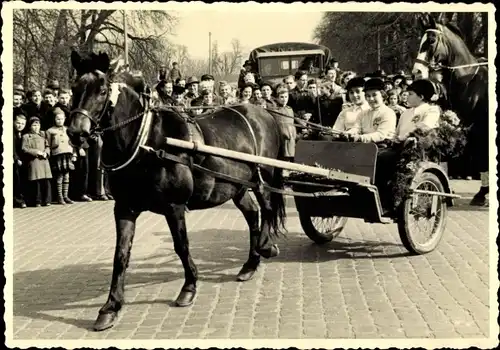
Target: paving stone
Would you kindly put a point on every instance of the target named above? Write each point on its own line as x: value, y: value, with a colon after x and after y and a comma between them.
x: 309, y: 291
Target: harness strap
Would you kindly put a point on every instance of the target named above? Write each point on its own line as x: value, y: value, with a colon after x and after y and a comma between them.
x: 254, y: 139
x: 171, y: 157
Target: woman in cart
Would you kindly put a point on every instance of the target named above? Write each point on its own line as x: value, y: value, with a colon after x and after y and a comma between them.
x: 348, y: 117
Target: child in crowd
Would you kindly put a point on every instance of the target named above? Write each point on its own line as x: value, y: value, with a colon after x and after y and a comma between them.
x: 36, y: 147
x: 393, y: 102
x: 19, y: 125
x: 63, y: 156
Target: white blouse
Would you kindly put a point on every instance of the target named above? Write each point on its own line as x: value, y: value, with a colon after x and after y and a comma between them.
x: 423, y: 116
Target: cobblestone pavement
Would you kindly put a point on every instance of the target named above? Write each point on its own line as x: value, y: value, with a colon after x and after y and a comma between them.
x: 363, y: 285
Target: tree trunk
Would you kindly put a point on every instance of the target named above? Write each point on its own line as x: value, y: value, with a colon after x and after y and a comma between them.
x: 27, y: 63
x: 56, y: 52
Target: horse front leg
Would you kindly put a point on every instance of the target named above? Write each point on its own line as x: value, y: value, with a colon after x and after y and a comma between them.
x: 125, y: 220
x: 265, y: 245
x: 177, y: 223
x: 245, y: 203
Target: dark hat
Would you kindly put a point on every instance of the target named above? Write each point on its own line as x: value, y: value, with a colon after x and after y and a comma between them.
x: 398, y: 76
x: 178, y: 90
x: 379, y: 74
x: 33, y: 120
x: 205, y: 93
x: 192, y: 80
x: 423, y: 88
x: 196, y: 102
x: 356, y: 82
x: 206, y: 77
x: 248, y: 63
x: 374, y: 84
x: 53, y: 84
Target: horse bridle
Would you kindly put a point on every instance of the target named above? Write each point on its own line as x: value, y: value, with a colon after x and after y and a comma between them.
x: 441, y: 66
x: 97, y: 130
x: 438, y: 65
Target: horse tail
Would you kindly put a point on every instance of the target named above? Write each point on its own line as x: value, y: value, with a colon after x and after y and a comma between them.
x: 278, y: 208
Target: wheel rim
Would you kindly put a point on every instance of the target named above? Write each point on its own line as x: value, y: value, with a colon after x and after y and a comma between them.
x: 330, y: 225
x: 424, y: 226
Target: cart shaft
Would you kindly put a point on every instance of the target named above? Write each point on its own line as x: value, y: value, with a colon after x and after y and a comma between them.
x: 217, y: 151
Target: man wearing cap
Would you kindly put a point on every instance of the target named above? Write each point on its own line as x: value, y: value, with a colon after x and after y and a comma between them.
x: 207, y: 83
x: 421, y: 114
x: 192, y: 85
x: 378, y: 123
x: 54, y: 87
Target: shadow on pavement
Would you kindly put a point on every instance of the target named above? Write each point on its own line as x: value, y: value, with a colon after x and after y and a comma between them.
x: 39, y: 292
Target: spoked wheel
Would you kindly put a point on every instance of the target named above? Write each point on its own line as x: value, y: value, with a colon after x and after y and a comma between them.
x: 422, y: 217
x: 322, y: 230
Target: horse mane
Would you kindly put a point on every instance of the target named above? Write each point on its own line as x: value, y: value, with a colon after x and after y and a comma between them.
x: 455, y: 30
x: 135, y: 81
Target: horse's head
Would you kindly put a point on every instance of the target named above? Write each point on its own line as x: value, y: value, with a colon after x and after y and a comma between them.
x: 91, y: 93
x: 441, y: 45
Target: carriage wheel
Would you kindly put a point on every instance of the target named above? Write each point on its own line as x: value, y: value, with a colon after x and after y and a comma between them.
x: 322, y: 230
x: 422, y: 217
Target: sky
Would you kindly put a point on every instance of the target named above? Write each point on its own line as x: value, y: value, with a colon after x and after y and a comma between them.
x: 253, y: 29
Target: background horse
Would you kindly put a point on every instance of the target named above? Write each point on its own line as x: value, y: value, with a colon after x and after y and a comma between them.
x: 466, y: 81
x: 148, y: 183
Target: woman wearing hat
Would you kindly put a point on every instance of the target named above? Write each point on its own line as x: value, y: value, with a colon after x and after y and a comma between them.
x: 421, y: 114
x: 178, y: 96
x: 348, y: 117
x: 378, y: 123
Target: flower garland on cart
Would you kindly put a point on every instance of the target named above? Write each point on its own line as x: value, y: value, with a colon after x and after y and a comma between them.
x: 441, y: 144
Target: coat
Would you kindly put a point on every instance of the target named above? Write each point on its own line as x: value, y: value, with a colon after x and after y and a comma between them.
x: 38, y: 167
x: 287, y: 129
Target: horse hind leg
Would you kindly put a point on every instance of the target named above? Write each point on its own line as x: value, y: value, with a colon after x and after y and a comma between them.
x: 250, y: 210
x: 177, y: 223
x: 125, y: 229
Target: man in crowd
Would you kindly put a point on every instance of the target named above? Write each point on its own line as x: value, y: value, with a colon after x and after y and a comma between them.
x: 192, y: 86
x: 18, y: 100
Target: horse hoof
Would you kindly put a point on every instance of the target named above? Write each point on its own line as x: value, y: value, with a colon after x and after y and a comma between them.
x: 105, y: 321
x: 478, y: 201
x: 245, y: 274
x: 185, y: 298
x: 272, y: 252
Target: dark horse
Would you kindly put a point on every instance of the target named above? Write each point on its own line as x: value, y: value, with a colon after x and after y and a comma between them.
x: 141, y: 181
x: 466, y: 79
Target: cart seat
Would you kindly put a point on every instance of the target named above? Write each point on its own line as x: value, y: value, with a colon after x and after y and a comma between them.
x: 350, y: 157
